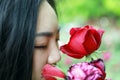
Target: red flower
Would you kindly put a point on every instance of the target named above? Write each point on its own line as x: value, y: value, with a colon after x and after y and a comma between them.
x: 50, y: 78
x: 83, y: 42
x: 49, y: 72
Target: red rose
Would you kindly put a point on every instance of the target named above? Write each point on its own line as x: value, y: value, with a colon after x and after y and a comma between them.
x: 83, y: 42
x: 50, y: 78
x: 50, y: 72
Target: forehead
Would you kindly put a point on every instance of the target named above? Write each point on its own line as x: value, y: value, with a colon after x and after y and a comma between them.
x: 47, y: 19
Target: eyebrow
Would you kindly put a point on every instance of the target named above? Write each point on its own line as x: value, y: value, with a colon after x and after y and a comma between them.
x: 47, y: 34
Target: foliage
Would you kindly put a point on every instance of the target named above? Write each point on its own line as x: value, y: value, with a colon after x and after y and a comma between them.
x: 86, y: 10
x: 113, y: 6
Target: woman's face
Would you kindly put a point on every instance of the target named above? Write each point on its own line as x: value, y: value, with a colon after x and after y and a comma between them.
x: 46, y: 46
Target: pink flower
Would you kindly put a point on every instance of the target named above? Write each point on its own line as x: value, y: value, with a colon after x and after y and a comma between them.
x: 94, y: 70
x: 49, y: 72
x: 83, y: 42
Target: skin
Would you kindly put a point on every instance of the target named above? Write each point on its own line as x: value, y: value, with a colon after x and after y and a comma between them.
x: 46, y: 46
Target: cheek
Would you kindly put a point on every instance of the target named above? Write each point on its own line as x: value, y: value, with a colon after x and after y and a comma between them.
x: 40, y: 58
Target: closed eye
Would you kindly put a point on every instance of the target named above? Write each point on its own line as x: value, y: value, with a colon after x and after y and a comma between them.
x: 40, y: 47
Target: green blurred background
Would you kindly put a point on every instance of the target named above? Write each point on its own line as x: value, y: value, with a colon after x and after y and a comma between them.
x: 102, y: 14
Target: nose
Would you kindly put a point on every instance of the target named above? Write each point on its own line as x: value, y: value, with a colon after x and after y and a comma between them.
x: 54, y: 54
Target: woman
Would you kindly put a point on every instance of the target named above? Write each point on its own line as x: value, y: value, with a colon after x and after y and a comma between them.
x: 28, y: 38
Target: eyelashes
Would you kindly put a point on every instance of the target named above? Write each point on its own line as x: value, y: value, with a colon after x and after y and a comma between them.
x: 40, y: 47
x: 44, y: 46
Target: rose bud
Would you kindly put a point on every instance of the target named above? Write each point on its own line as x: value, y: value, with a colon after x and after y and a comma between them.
x: 83, y: 42
x: 87, y: 71
x: 50, y: 72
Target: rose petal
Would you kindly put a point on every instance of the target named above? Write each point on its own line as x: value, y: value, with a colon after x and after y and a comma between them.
x: 51, y: 71
x: 50, y: 78
x: 99, y: 64
x: 98, y: 35
x: 66, y: 50
x: 90, y: 43
x: 101, y: 32
x: 73, y: 30
x: 76, y: 42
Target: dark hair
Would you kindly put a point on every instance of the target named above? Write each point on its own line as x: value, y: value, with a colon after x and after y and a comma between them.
x: 17, y: 32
